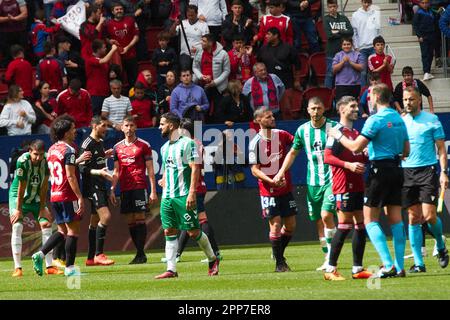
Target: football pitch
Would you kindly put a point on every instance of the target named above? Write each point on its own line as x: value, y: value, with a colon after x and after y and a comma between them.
x: 246, y: 273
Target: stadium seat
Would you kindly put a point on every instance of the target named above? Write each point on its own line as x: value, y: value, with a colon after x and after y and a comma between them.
x: 296, y: 104
x: 317, y: 61
x: 3, y: 85
x: 304, y: 70
x: 325, y: 94
x: 152, y: 38
x: 316, y: 8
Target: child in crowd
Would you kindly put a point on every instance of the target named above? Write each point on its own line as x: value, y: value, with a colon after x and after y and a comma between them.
x: 347, y: 67
x: 381, y: 63
x: 142, y: 108
x: 164, y: 58
x: 236, y: 23
x: 276, y: 19
x: 365, y: 105
x: 40, y: 33
x: 242, y: 59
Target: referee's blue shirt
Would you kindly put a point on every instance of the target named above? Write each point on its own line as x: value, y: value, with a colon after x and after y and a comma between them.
x: 423, y: 130
x: 387, y: 134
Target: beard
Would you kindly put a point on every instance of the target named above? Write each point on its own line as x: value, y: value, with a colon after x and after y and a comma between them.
x: 165, y: 134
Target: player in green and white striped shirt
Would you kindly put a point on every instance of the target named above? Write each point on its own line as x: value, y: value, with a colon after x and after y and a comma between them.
x: 312, y: 137
x: 178, y: 205
x: 28, y: 194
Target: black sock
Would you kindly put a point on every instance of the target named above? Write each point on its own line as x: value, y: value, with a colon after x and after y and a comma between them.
x: 276, y: 249
x: 71, y: 250
x: 52, y: 242
x: 100, y: 238
x: 285, y: 239
x: 359, y: 244
x: 141, y: 236
x: 91, y: 242
x: 182, y: 241
x: 59, y: 251
x: 133, y: 233
x: 338, y: 242
x: 207, y: 228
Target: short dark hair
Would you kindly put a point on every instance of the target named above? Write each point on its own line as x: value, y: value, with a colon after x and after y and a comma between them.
x: 48, y: 47
x: 329, y: 2
x: 209, y: 37
x: 139, y: 85
x: 188, y: 125
x: 185, y: 70
x: 275, y: 3
x: 192, y: 7
x: 97, y: 44
x: 60, y: 126
x: 414, y: 90
x: 378, y: 39
x: 129, y: 118
x: 98, y: 119
x: 39, y: 14
x: 164, y: 35
x: 274, y: 31
x: 238, y: 37
x: 347, y: 39
x: 16, y: 50
x: 237, y: 3
x: 407, y: 70
x: 373, y: 76
x: 93, y: 8
x: 75, y: 85
x: 172, y: 118
x: 37, y: 145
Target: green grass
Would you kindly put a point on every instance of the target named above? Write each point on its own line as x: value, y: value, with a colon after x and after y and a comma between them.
x: 245, y: 273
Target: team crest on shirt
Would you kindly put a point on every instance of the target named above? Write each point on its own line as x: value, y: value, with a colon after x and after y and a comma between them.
x: 35, y: 180
x: 19, y: 172
x: 389, y: 124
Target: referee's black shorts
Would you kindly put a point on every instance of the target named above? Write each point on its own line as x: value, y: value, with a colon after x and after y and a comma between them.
x: 421, y: 186
x: 384, y: 185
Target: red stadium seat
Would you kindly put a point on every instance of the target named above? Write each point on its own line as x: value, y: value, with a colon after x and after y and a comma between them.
x: 152, y: 37
x: 325, y: 94
x: 304, y: 69
x: 3, y: 85
x: 318, y: 63
x: 296, y: 104
x: 315, y: 8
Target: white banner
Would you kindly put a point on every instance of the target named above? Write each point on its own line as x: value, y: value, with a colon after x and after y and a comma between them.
x: 74, y: 17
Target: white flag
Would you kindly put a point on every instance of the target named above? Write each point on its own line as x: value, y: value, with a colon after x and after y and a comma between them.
x: 73, y: 19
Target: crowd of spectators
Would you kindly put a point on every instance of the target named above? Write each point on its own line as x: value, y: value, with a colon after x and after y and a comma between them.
x: 215, y: 60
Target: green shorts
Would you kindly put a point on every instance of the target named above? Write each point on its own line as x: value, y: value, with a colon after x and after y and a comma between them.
x: 320, y: 199
x: 174, y: 214
x: 32, y: 208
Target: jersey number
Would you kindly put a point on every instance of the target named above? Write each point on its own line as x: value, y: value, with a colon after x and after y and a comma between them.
x: 56, y: 176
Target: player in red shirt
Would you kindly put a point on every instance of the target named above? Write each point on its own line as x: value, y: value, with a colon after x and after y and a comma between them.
x: 267, y: 151
x: 75, y: 102
x: 348, y: 187
x: 143, y: 109
x: 381, y: 63
x: 97, y: 74
x: 132, y: 158
x: 91, y: 29
x: 65, y: 195
x: 124, y: 32
x: 20, y: 72
x: 275, y: 20
x: 51, y: 70
x: 206, y: 227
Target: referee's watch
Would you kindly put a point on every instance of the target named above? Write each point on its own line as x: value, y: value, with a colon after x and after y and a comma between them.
x: 445, y: 171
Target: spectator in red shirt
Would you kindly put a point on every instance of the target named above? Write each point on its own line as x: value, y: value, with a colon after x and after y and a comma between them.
x: 51, y: 70
x: 20, y: 72
x: 381, y: 63
x: 124, y: 32
x: 97, y: 74
x: 75, y: 102
x: 276, y: 19
x: 91, y: 29
x: 242, y: 60
x: 143, y: 109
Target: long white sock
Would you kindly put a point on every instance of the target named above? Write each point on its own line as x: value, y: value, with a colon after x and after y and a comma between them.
x: 205, y: 245
x: 171, y: 253
x: 46, y: 234
x: 329, y: 234
x: 16, y: 244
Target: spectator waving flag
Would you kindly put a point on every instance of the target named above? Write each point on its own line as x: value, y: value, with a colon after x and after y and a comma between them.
x: 74, y: 17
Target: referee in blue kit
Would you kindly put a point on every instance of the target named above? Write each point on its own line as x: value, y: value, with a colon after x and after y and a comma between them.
x: 421, y: 186
x: 386, y: 135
